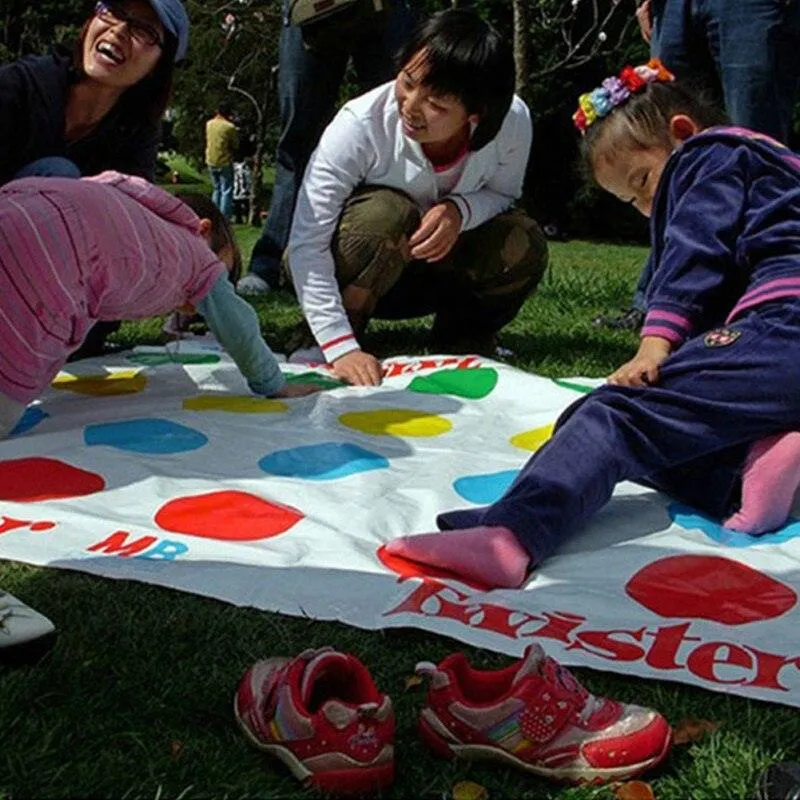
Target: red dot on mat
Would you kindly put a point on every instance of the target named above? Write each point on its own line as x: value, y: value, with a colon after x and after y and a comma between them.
x: 229, y: 516
x: 26, y: 480
x: 413, y: 569
x: 711, y: 588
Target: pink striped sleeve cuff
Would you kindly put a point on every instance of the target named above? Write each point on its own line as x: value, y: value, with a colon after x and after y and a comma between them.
x: 668, y: 325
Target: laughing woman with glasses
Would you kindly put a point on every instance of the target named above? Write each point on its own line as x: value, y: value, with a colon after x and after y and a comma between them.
x: 97, y: 107
x: 79, y: 113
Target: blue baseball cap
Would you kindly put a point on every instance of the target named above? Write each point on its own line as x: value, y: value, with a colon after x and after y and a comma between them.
x: 175, y: 20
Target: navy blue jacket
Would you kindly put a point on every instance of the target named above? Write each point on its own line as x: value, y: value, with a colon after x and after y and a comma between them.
x: 725, y: 232
x: 33, y: 98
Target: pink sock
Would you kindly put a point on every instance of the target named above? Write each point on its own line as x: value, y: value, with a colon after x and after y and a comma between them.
x: 770, y: 479
x: 490, y: 555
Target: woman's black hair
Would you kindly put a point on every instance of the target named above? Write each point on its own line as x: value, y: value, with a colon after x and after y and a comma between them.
x: 221, y: 231
x: 466, y: 58
x: 644, y: 119
x: 149, y: 97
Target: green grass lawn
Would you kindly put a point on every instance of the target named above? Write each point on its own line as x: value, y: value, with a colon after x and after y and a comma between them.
x: 135, y: 699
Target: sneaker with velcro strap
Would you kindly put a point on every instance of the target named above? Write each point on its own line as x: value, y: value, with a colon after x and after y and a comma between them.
x: 321, y: 714
x: 536, y: 716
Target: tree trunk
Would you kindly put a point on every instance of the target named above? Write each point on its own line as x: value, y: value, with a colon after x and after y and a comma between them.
x: 521, y: 39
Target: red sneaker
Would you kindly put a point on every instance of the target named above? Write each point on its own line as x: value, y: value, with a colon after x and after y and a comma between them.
x: 536, y: 716
x: 322, y: 715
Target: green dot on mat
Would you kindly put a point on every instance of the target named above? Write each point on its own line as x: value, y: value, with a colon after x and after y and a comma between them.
x: 576, y: 387
x: 470, y: 383
x: 155, y: 359
x: 314, y: 378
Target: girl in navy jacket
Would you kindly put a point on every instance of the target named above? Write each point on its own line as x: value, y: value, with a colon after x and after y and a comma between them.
x: 708, y: 409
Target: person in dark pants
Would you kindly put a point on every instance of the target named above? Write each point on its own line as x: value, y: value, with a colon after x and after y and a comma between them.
x: 97, y: 107
x: 746, y: 53
x: 708, y: 408
x: 310, y: 75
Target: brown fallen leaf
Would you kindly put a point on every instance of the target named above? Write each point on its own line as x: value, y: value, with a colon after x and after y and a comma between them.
x: 468, y: 790
x: 692, y: 730
x: 175, y: 749
x: 634, y: 790
x: 413, y: 681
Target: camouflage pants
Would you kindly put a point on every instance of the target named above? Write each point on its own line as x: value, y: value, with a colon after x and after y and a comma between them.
x: 476, y: 290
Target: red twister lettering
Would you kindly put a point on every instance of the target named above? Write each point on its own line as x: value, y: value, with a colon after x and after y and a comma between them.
x: 395, y: 368
x: 10, y: 524
x: 666, y: 648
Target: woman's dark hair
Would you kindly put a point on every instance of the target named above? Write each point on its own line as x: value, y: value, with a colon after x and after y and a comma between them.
x: 643, y: 120
x: 468, y: 59
x: 149, y: 97
x: 221, y: 231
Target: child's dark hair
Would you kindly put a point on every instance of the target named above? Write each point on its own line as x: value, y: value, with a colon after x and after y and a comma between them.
x: 468, y: 59
x: 221, y: 231
x: 643, y: 120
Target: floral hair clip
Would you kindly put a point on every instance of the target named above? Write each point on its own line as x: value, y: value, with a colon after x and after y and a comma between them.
x: 616, y: 90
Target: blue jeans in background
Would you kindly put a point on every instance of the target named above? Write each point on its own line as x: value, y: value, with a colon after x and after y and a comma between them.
x: 749, y: 50
x: 222, y: 189
x: 309, y: 80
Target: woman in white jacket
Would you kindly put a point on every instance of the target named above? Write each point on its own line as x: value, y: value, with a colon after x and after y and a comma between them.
x: 406, y: 204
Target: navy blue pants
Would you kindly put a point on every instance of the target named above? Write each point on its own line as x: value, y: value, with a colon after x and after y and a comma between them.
x: 687, y: 435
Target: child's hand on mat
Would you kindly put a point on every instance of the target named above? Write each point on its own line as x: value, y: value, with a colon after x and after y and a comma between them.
x: 299, y: 389
x: 437, y: 233
x: 358, y: 368
x: 642, y: 369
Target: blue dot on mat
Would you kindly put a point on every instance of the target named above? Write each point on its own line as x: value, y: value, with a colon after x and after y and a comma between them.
x: 483, y: 489
x: 690, y: 519
x: 30, y: 419
x: 158, y: 436
x: 322, y: 462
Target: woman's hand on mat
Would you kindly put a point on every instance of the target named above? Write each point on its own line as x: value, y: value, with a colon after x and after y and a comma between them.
x: 358, y: 368
x: 642, y: 369
x: 299, y: 390
x: 437, y: 233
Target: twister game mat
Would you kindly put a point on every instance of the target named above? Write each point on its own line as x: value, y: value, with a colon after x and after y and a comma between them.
x: 158, y: 466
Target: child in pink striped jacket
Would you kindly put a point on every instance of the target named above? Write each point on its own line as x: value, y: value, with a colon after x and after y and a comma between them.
x: 73, y: 252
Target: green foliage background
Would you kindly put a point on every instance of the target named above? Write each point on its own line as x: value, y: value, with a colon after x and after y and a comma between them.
x: 244, y: 55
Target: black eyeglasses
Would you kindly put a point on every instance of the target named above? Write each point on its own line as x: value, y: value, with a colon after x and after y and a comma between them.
x: 143, y: 32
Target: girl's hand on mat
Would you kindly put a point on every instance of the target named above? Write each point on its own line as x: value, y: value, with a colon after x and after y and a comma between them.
x: 642, y: 369
x: 299, y: 390
x: 437, y: 233
x: 358, y: 368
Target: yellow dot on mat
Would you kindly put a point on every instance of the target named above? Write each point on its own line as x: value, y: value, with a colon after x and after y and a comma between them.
x: 244, y: 404
x: 396, y: 422
x: 104, y: 384
x: 533, y: 439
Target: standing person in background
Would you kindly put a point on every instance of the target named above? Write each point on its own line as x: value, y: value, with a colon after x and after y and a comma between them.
x: 222, y: 141
x: 745, y: 52
x: 97, y: 106
x: 310, y: 75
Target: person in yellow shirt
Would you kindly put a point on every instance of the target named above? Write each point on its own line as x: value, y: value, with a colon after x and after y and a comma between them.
x: 222, y: 141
